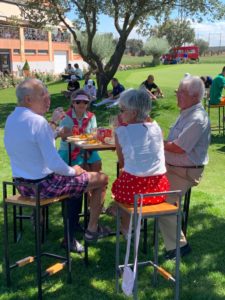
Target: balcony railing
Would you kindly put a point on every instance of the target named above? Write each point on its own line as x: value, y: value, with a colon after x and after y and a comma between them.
x: 61, y: 37
x: 34, y: 34
x: 9, y: 32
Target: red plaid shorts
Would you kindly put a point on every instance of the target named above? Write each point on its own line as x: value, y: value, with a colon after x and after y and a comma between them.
x: 55, y: 185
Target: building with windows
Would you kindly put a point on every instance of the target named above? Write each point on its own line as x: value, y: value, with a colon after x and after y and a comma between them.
x: 46, y: 50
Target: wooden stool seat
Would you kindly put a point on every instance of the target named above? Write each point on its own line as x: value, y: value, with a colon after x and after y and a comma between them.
x: 220, y: 127
x: 20, y: 200
x: 147, y: 210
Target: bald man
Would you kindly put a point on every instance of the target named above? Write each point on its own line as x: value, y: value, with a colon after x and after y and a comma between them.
x: 30, y: 143
x: 185, y: 153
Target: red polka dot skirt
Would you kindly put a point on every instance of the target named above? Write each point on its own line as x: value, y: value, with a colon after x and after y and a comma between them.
x: 126, y: 186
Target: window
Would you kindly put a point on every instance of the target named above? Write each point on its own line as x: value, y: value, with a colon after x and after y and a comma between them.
x: 16, y: 51
x: 30, y: 51
x: 43, y: 52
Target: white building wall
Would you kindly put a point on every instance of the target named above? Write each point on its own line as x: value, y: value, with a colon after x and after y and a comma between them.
x: 40, y: 66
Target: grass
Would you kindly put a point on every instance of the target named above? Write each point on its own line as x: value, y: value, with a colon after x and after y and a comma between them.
x: 202, y: 272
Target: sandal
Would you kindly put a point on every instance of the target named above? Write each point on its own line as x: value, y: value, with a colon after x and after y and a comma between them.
x: 111, y: 210
x: 101, y: 232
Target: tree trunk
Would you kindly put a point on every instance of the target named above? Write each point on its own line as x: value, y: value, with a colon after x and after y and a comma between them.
x: 102, y: 83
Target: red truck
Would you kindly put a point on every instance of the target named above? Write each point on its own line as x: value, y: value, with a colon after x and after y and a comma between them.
x: 181, y: 54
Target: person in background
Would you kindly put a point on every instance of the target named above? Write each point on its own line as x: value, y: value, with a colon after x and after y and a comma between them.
x: 36, y: 159
x: 72, y: 86
x: 78, y: 72
x: 68, y: 72
x: 207, y: 80
x: 86, y: 78
x: 216, y: 89
x: 144, y: 170
x: 153, y: 89
x: 114, y: 95
x: 90, y: 89
x: 186, y: 154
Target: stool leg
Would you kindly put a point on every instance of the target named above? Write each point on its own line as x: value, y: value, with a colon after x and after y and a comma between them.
x: 14, y: 224
x: 187, y: 198
x: 156, y: 249
x: 85, y: 227
x: 135, y: 289
x: 177, y: 285
x: 145, y: 227
x: 43, y: 224
x: 219, y: 118
x: 38, y: 250
x: 6, y: 244
x: 47, y: 219
x: 117, y: 247
x: 66, y: 224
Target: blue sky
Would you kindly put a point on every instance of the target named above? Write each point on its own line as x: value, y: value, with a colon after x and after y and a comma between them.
x: 213, y: 32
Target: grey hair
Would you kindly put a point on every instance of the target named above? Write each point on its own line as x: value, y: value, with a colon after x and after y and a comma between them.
x: 27, y: 88
x: 195, y: 86
x: 137, y: 100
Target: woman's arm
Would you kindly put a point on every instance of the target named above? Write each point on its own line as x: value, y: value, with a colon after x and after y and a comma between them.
x: 119, y: 152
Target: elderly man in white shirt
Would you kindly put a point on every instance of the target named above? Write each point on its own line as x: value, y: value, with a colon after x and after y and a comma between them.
x: 30, y: 143
x: 185, y: 153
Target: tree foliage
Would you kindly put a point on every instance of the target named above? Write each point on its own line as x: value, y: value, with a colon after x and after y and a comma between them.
x: 156, y: 47
x: 126, y: 14
x: 134, y: 46
x: 177, y: 32
x: 203, y: 46
x: 103, y: 44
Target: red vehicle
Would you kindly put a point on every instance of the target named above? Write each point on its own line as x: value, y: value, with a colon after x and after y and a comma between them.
x: 181, y: 54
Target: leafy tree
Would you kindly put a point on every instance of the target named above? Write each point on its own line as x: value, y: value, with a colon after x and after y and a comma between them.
x: 134, y: 46
x: 156, y: 47
x: 103, y: 44
x: 203, y: 46
x: 177, y: 32
x: 126, y: 14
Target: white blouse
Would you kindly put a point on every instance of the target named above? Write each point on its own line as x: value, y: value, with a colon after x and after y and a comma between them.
x: 142, y: 148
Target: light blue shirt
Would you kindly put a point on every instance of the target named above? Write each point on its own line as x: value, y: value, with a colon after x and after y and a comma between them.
x: 191, y: 132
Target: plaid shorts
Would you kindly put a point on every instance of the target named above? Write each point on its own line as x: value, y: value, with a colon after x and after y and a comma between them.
x: 55, y: 185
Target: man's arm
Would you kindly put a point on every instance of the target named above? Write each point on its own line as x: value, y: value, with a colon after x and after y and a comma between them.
x: 172, y: 147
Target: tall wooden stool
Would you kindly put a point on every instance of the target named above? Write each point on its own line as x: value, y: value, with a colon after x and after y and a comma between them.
x: 151, y: 211
x: 36, y: 204
x: 220, y: 126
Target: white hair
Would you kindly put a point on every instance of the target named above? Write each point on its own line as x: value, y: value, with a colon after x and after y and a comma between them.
x: 28, y: 88
x: 137, y: 100
x: 195, y: 86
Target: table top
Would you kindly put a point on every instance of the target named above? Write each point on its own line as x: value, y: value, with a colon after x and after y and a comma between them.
x: 96, y: 147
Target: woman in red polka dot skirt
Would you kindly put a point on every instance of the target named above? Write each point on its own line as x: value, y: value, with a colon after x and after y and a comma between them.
x: 140, y: 151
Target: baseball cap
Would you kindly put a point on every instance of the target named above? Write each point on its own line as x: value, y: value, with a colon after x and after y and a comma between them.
x: 90, y: 82
x: 80, y: 97
x: 73, y: 77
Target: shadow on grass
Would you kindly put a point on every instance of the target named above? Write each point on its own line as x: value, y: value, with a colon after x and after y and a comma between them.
x: 201, y: 277
x: 5, y: 110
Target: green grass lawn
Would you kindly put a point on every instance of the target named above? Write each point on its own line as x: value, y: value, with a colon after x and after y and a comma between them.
x: 202, y: 272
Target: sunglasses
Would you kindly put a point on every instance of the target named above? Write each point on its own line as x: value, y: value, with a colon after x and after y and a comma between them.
x: 80, y: 101
x: 122, y: 110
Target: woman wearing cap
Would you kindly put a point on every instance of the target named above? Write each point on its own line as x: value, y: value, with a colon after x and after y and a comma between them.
x: 90, y: 89
x: 79, y: 116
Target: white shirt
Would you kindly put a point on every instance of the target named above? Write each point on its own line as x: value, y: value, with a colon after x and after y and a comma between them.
x: 142, y: 148
x: 30, y: 144
x: 191, y: 132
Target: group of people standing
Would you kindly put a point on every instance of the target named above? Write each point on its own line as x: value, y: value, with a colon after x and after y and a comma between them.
x: 147, y: 162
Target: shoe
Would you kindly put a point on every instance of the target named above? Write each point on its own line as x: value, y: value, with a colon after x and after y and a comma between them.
x: 101, y: 232
x: 171, y: 254
x: 75, y: 246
